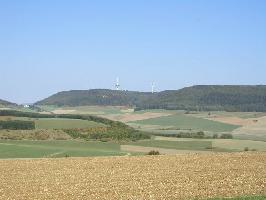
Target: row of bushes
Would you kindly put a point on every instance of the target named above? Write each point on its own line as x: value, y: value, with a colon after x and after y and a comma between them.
x: 106, y: 134
x: 223, y: 136
x: 198, y: 135
x: 17, y: 125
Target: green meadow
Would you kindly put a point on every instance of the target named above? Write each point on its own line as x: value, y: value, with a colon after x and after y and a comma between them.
x: 186, y: 122
x: 55, y: 149
x: 56, y: 123
x: 179, y: 145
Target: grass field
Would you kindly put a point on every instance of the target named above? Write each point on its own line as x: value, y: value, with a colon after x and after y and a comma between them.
x: 181, y: 145
x: 226, y: 144
x: 193, y: 176
x: 73, y: 148
x: 65, y: 123
x: 242, y: 198
x: 182, y: 121
x: 243, y: 115
x: 40, y: 149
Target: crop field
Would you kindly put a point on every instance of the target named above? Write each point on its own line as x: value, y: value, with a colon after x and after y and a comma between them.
x: 182, y: 121
x: 243, y: 125
x: 54, y: 149
x: 65, y: 123
x: 248, y: 126
x: 245, y: 128
x: 193, y: 176
x: 75, y: 148
x: 181, y: 145
x: 96, y: 110
x: 226, y: 144
x: 242, y: 115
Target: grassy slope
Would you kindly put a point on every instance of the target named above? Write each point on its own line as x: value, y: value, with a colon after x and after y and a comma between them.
x: 38, y: 149
x: 183, y: 121
x: 65, y: 123
x: 4, y: 103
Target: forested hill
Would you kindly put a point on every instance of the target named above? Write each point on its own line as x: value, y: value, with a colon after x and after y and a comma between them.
x: 96, y: 97
x: 6, y: 103
x: 229, y: 98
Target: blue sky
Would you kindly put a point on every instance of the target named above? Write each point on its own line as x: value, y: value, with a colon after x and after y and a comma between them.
x: 54, y: 45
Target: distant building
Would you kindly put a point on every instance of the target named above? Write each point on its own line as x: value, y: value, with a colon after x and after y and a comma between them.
x: 26, y: 106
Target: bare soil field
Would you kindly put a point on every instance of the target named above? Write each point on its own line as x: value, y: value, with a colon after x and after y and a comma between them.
x: 5, y: 118
x: 62, y: 111
x: 234, y: 120
x: 256, y: 129
x: 145, y: 177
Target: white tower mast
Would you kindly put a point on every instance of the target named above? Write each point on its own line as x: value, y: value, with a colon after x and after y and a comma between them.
x: 117, y: 85
x: 152, y: 87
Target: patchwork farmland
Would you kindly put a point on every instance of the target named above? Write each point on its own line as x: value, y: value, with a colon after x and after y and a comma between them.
x: 188, y: 168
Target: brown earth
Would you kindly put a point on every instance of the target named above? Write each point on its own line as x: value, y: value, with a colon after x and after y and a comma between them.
x: 5, y: 118
x: 233, y: 120
x: 62, y: 111
x: 257, y: 128
x: 146, y: 177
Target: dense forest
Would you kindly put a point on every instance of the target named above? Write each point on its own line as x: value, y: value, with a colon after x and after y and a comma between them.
x: 201, y: 98
x: 96, y: 97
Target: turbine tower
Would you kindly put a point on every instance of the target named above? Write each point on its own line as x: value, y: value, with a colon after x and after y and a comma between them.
x: 152, y: 87
x: 117, y: 85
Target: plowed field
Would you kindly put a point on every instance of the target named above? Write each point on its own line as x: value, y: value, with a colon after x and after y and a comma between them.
x: 145, y: 177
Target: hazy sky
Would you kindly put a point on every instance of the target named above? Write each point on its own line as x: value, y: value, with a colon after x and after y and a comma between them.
x: 48, y: 46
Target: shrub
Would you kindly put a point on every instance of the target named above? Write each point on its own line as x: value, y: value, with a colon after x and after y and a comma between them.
x: 153, y: 152
x: 226, y: 136
x: 199, y: 135
x: 17, y: 125
x: 246, y: 149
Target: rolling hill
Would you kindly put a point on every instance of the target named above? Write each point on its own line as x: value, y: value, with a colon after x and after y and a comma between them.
x: 6, y: 103
x: 201, y: 97
x: 96, y: 97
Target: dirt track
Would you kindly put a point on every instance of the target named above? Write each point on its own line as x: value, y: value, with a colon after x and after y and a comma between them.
x: 158, y: 177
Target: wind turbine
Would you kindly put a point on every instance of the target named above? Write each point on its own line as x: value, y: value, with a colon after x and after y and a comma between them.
x: 117, y: 85
x: 152, y: 87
